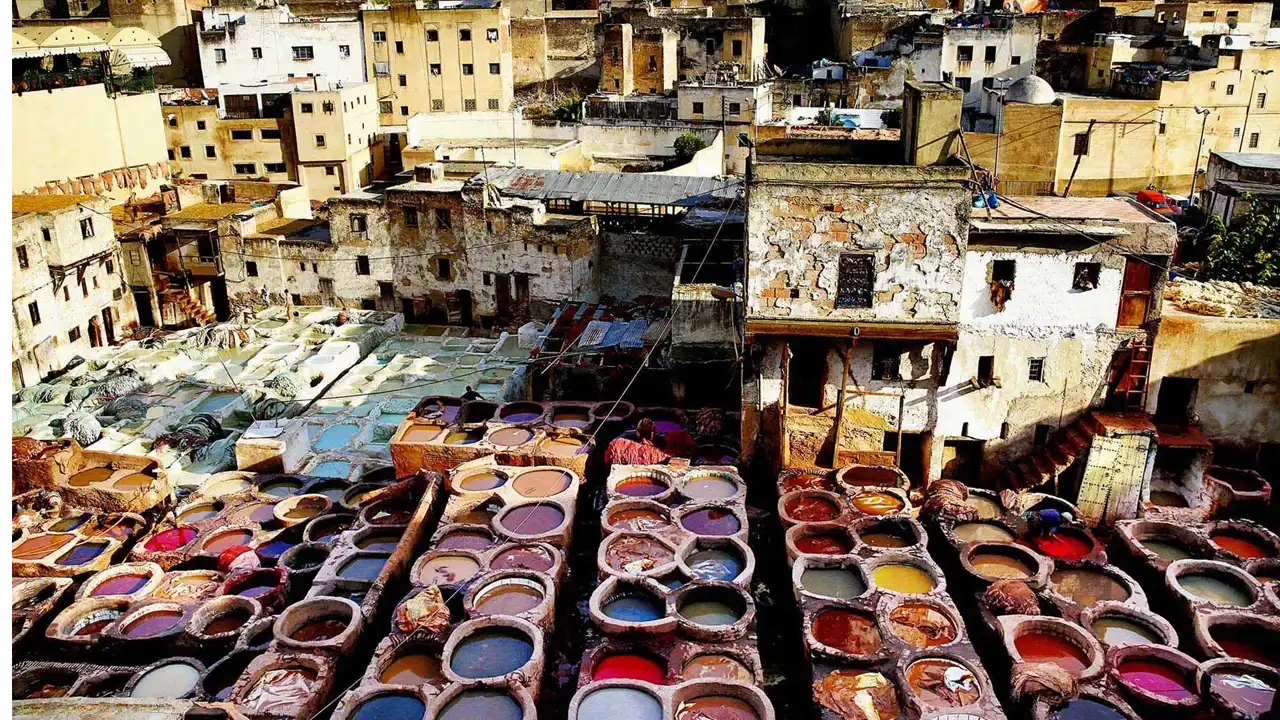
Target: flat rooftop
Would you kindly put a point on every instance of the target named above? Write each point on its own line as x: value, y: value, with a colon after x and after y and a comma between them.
x: 636, y: 188
x: 1113, y: 209
x: 209, y: 211
x: 25, y: 204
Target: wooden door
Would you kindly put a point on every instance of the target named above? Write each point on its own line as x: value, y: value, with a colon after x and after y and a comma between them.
x: 502, y: 288
x: 1135, y: 292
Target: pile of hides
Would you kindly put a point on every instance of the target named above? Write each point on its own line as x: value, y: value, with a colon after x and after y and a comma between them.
x: 198, y: 432
x: 223, y: 336
x: 945, y: 501
x: 82, y: 427
x: 855, y: 695
x: 285, y: 385
x: 1011, y: 597
x: 1046, y: 680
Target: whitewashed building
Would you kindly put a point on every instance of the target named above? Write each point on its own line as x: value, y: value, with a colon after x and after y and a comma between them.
x: 247, y: 44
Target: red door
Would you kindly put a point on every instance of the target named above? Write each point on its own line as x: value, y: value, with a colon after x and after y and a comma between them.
x: 1135, y: 292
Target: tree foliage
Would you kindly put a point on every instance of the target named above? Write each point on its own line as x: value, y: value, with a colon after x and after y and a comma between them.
x: 688, y: 145
x: 1248, y: 250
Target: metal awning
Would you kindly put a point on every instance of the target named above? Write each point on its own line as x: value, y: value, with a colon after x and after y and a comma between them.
x: 64, y: 50
x: 1041, y: 228
x: 924, y: 332
x: 139, y: 57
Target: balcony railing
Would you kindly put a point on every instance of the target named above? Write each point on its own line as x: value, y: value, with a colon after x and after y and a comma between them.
x: 132, y: 84
x: 33, y: 80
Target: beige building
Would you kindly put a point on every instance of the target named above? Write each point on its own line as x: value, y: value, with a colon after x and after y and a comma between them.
x: 68, y: 293
x: 429, y: 57
x: 338, y: 139
x: 650, y: 54
x: 735, y: 109
x: 1195, y: 20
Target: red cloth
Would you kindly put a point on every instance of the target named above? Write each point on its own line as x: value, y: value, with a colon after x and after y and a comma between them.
x: 629, y: 452
x: 679, y: 442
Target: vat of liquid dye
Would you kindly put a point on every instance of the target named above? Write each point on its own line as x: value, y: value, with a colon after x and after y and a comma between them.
x: 547, y: 520
x: 538, y: 557
x: 1155, y: 679
x: 921, y: 623
x: 1246, y: 490
x: 150, y: 627
x: 508, y: 438
x: 717, y: 559
x: 41, y: 683
x: 266, y: 585
x: 501, y: 702
x: 1033, y: 638
x: 327, y: 625
x: 220, y: 678
x: 521, y: 412
x: 303, y: 561
x: 389, y: 512
x: 494, y: 647
x: 129, y: 581
x: 615, y: 412
x: 1243, y: 690
x: 480, y: 480
x: 808, y: 506
x: 1155, y: 544
x: 172, y: 679
x: 844, y: 633
x: 665, y: 420
x: 636, y: 554
x: 707, y: 485
x: 1088, y: 705
x: 790, y: 480
x: 407, y: 662
x: 1073, y: 587
x: 1242, y: 540
x: 617, y: 700
x: 1240, y: 635
x: 904, y: 574
x: 973, y: 531
x: 1070, y: 545
x: 80, y: 626
x: 1212, y: 584
x: 966, y: 685
x: 446, y: 568
x: 631, y: 605
x: 855, y: 478
x: 713, y: 520
x: 880, y: 534
x: 361, y: 494
x: 636, y: 516
x: 213, y: 543
x: 720, y: 700
x: 298, y: 509
x: 293, y: 685
x: 1115, y: 624
x: 712, y: 611
x: 189, y: 586
x: 826, y: 539
x: 543, y: 482
x: 326, y: 529
x: 218, y: 622
x: 647, y: 483
x: 511, y: 593
x: 880, y: 502
x: 991, y: 561
x: 831, y: 578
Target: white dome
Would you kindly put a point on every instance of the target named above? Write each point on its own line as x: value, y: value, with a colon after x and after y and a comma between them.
x: 1030, y: 90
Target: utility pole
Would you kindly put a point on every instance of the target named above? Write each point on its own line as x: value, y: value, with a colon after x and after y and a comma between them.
x: 1249, y: 105
x: 1204, y: 118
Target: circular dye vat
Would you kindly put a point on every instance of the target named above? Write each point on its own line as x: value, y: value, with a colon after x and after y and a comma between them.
x: 638, y: 519
x: 1043, y: 647
x: 1248, y: 643
x: 837, y: 583
x: 987, y: 508
x: 153, y: 623
x: 83, y: 553
x: 533, y: 519
x: 322, y: 628
x: 449, y: 569
x: 306, y: 508
x: 68, y: 524
x: 1240, y: 545
x: 521, y: 413
x: 227, y: 622
x: 379, y: 542
x: 219, y: 542
x: 273, y: 549
x: 481, y: 481
x: 510, y: 436
x: 716, y: 707
x: 1157, y: 678
x: 636, y: 554
x: 718, y: 563
x: 847, y: 631
x: 332, y: 469
x: 633, y: 607
x: 887, y: 538
x: 640, y: 486
x: 807, y: 481
x: 123, y: 584
x: 716, y: 666
x: 136, y: 481
x: 1249, y: 693
x: 492, y: 652
x: 1063, y: 545
x: 922, y: 625
x: 1087, y: 587
x: 710, y: 487
x: 619, y: 703
x: 464, y: 540
x: 280, y: 488
x: 811, y: 508
x: 570, y: 418
x: 903, y: 578
x: 958, y: 688
x: 463, y: 437
x: 970, y: 532
x: 174, y: 680
x: 486, y: 704
x: 509, y: 597
x: 226, y: 487
x: 1167, y: 498
x: 711, y: 522
x: 412, y: 669
x: 327, y: 527
x: 333, y: 491
x: 482, y: 514
x: 877, y: 503
x: 542, y: 483
x: 523, y: 557
x: 168, y: 540
x: 824, y: 544
x: 258, y: 585
x: 91, y: 476
x: 1086, y: 709
x: 94, y: 622
x: 1120, y: 632
x: 40, y: 546
x: 563, y: 446
x: 363, y: 568
x: 391, y: 706
x: 421, y: 433
x: 631, y: 666
x: 1216, y: 588
x: 995, y: 566
x: 710, y: 611
x: 1166, y: 549
x: 383, y: 513
x: 196, y: 513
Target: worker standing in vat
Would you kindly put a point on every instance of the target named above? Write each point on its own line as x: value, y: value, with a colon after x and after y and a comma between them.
x: 1043, y: 523
x: 471, y: 394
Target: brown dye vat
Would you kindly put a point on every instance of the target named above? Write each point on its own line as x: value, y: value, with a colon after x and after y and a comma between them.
x: 40, y: 546
x: 981, y: 532
x: 1087, y: 587
x: 132, y: 482
x: 449, y: 569
x: 523, y: 557
x: 511, y: 436
x: 306, y: 508
x: 1167, y: 498
x: 823, y: 544
x: 464, y: 540
x: 720, y: 667
x: 716, y: 707
x: 47, y: 690
x: 385, y: 515
x: 88, y: 477
x: 851, y: 632
x: 542, y: 483
x: 153, y: 623
x: 508, y: 598
x: 325, y: 628
x: 280, y: 692
x: 413, y: 669
x: 563, y: 447
x: 636, y: 554
x: 479, y: 515
x: 93, y: 627
x: 227, y: 622
x: 928, y: 679
x: 421, y: 433
x: 877, y: 503
x: 258, y: 513
x: 922, y: 625
x: 639, y: 519
x: 807, y: 481
x: 995, y: 566
x: 810, y: 508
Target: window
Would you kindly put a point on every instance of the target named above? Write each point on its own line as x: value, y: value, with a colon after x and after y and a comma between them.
x: 653, y: 63
x: 464, y: 35
x: 200, y: 125
x: 1250, y: 386
x: 328, y: 170
x: 1163, y: 128
x: 988, y: 83
x: 1262, y: 100
x: 245, y: 168
x: 173, y: 121
x: 404, y: 110
x: 495, y: 68
x: 444, y: 268
x: 110, y: 267
x: 86, y: 227
x: 399, y: 47
x: 241, y: 134
x: 1253, y: 140
x: 1213, y: 84
x: 1082, y: 143
x: 986, y: 371
x: 697, y: 108
x: 273, y: 167
x: 382, y: 69
x: 33, y: 309
x: 73, y: 334
x: 23, y: 262
x: 320, y: 141
x: 1208, y: 14
x: 359, y: 223
x: 468, y: 69
x: 362, y: 264
x: 1035, y: 369
x: 491, y: 34
x: 302, y: 267
x: 171, y: 155
x: 886, y: 361
x: 306, y: 108
x: 964, y: 53
x: 855, y: 280
x: 1042, y: 435
x: 303, y: 52
x: 210, y: 151
x: 1235, y: 132
x: 66, y: 293
x: 251, y: 269
x: 185, y: 152
x: 493, y: 103
x: 444, y: 219
x: 410, y: 216
x: 433, y: 36
x: 1003, y: 270
x: 384, y: 106
x: 368, y: 304
x: 1016, y: 60
x: 344, y: 51
x: 711, y: 46
x: 256, y: 53
x: 219, y: 55
x: 402, y: 80
x: 1231, y: 89
x: 964, y: 83
x: 1233, y: 14
x: 386, y: 289
x: 315, y: 268
x: 435, y: 68
x: 989, y: 54
x: 735, y: 108
x: 47, y: 234
x: 469, y: 105
x: 1086, y: 276
x: 437, y: 105
x: 379, y: 36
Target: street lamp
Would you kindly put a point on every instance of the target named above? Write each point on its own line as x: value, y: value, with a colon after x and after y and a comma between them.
x: 1204, y: 113
x: 1245, y: 130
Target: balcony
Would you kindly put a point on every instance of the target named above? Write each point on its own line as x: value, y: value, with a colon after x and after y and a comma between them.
x: 204, y: 265
x: 33, y: 80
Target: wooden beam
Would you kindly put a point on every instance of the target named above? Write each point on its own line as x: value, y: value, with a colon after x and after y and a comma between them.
x: 923, y: 332
x: 844, y: 394
x: 783, y: 436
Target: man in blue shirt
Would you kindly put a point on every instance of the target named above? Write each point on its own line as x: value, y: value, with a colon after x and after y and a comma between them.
x: 1044, y: 523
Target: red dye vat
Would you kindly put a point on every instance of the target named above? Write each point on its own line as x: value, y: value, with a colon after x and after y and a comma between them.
x: 1063, y: 546
x: 1046, y: 648
x: 171, y: 539
x: 823, y: 544
x: 808, y: 508
x: 1156, y: 678
x: 631, y: 667
x: 806, y: 481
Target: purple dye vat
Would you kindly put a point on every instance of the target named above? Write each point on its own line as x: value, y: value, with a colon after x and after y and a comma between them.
x: 711, y: 521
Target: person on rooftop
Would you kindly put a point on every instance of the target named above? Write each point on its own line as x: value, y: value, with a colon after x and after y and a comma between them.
x: 471, y: 394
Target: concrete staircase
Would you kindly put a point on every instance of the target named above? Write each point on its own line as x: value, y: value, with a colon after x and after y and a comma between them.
x: 198, y: 314
x: 1060, y: 453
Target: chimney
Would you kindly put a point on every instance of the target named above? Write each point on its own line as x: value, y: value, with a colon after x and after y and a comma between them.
x: 930, y: 122
x: 431, y: 173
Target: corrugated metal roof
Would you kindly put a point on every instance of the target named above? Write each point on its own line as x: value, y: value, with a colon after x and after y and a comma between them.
x: 642, y: 189
x: 1266, y: 161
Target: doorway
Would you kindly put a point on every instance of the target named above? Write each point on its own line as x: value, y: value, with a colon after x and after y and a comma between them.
x: 961, y: 460
x: 95, y: 332
x: 1136, y: 291
x: 502, y: 291
x: 1176, y: 400
x: 465, y: 314
x: 109, y: 326
x: 146, y: 317
x: 806, y: 372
